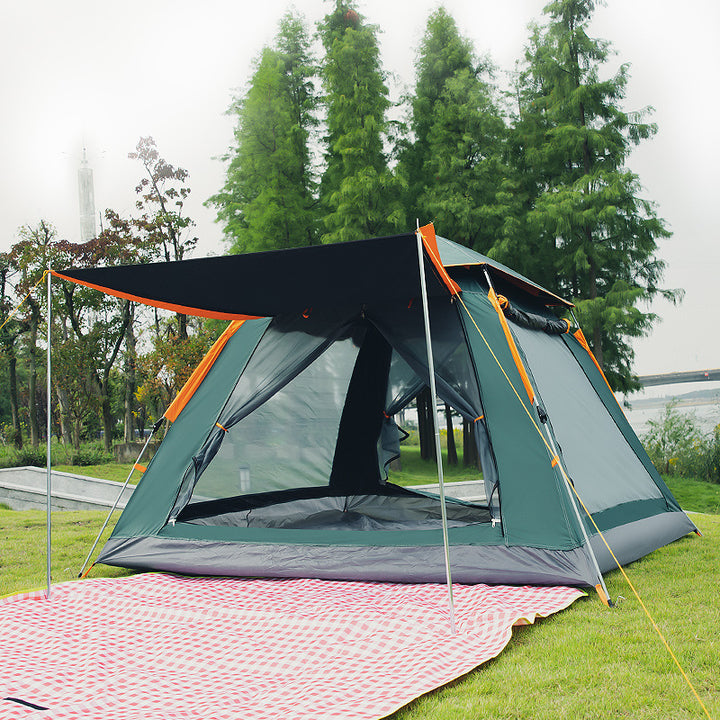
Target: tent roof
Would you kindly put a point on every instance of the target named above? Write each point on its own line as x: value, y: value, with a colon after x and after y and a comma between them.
x: 363, y: 272
x: 454, y: 255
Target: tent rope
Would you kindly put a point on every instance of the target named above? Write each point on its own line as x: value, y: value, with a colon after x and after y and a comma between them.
x: 592, y: 520
x: 20, y: 304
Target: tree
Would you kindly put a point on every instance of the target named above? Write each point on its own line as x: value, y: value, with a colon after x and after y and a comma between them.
x: 576, y: 139
x: 358, y: 192
x: 10, y: 331
x: 453, y: 164
x: 30, y: 257
x: 161, y: 199
x: 268, y: 200
x: 91, y: 331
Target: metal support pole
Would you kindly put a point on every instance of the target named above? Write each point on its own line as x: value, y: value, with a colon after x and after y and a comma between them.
x: 49, y: 434
x: 564, y: 475
x: 438, y: 449
x: 117, y: 499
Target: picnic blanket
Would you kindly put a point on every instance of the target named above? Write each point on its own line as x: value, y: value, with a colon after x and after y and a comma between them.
x: 162, y: 646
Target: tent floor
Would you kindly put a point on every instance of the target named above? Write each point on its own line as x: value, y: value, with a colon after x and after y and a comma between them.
x: 392, y: 508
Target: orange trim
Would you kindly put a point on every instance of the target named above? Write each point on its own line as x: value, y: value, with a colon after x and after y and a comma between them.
x: 224, y: 429
x: 555, y: 461
x: 427, y: 233
x: 156, y: 303
x: 580, y: 337
x: 479, y: 418
x: 195, y: 380
x: 503, y: 301
x: 139, y: 467
x: 511, y: 344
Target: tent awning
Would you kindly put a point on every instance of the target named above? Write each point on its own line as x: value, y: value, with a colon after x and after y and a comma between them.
x: 264, y: 284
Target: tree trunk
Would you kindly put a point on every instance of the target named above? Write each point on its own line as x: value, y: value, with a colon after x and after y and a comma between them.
x: 130, y: 384
x: 425, y: 425
x: 14, y: 409
x: 32, y: 378
x: 66, y: 424
x: 452, y: 457
x: 470, y: 453
x: 107, y: 421
x: 182, y: 326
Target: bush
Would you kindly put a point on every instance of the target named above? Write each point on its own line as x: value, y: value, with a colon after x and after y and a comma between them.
x: 677, y: 445
x: 88, y: 454
x: 35, y: 457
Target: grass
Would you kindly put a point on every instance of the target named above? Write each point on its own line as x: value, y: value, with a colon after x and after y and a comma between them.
x: 586, y: 662
x: 23, y: 547
x: 106, y: 471
x: 416, y: 471
x: 695, y: 495
x: 593, y: 662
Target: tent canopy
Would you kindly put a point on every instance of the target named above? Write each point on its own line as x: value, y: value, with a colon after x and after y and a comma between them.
x: 361, y: 273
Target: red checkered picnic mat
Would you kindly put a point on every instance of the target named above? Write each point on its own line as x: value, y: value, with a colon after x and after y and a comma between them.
x: 160, y: 646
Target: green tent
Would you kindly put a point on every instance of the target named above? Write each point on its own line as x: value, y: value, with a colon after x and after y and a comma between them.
x: 275, y: 463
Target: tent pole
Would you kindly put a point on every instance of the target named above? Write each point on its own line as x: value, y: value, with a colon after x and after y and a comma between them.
x: 566, y: 482
x: 48, y: 451
x: 122, y: 490
x: 438, y: 449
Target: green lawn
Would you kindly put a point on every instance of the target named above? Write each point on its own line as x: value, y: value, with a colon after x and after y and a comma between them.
x: 593, y: 662
x: 585, y: 662
x: 416, y: 471
x: 106, y: 471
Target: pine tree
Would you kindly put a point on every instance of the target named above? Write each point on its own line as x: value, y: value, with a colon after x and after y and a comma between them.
x: 359, y: 193
x: 453, y: 163
x: 575, y: 140
x: 268, y: 200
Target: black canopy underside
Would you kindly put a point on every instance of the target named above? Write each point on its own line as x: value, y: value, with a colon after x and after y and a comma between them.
x: 360, y: 273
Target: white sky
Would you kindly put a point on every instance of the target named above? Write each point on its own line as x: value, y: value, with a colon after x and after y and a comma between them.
x: 102, y: 74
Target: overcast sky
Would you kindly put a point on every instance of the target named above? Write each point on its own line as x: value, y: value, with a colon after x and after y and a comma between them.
x: 102, y: 74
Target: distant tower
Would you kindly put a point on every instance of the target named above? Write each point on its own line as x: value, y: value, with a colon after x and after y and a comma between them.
x: 87, y: 200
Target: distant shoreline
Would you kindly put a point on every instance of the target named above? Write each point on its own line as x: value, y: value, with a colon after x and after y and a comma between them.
x: 658, y: 403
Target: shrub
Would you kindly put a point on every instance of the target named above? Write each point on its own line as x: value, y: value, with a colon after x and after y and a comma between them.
x: 677, y: 445
x: 89, y: 454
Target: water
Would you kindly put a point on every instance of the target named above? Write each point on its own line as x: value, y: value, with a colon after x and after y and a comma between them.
x: 707, y: 416
x: 700, y: 400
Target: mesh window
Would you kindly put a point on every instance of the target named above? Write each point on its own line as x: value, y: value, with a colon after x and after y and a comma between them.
x: 288, y: 441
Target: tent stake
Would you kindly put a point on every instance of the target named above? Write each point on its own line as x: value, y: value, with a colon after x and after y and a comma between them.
x: 48, y: 452
x: 566, y: 483
x: 122, y: 490
x: 438, y: 449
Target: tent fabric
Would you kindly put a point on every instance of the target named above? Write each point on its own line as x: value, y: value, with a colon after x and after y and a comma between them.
x: 158, y: 646
x: 270, y: 283
x: 295, y: 416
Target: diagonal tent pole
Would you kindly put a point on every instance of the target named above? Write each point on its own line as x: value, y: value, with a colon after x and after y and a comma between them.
x: 438, y: 449
x: 49, y: 435
x: 136, y: 465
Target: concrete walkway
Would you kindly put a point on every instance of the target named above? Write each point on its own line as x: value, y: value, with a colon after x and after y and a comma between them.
x: 24, y: 488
